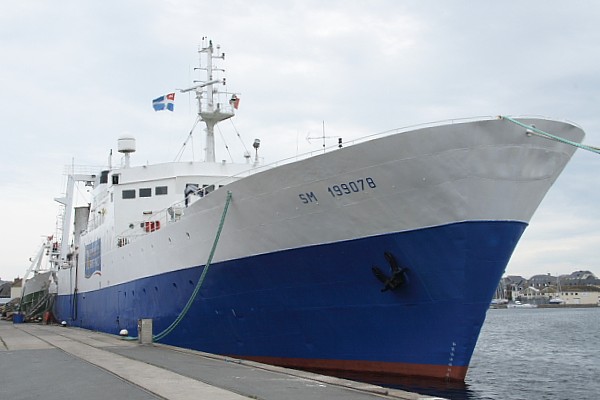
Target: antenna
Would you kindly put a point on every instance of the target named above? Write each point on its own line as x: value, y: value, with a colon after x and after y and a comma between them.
x: 213, y: 106
x: 323, y: 137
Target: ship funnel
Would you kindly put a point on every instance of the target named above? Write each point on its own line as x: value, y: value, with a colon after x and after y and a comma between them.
x: 126, y: 145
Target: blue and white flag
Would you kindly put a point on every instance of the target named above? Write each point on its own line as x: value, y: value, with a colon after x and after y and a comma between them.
x: 166, y: 102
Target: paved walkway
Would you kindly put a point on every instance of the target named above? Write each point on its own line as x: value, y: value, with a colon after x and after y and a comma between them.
x: 69, y: 363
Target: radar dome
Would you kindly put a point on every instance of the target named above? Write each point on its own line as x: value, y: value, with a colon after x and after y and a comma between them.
x: 126, y: 144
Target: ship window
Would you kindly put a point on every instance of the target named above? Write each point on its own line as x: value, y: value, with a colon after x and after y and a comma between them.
x: 104, y: 176
x: 208, y: 188
x: 145, y: 192
x: 115, y: 179
x: 191, y: 188
x: 129, y: 194
x: 159, y: 190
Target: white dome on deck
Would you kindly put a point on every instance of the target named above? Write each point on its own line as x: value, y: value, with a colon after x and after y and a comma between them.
x: 126, y: 144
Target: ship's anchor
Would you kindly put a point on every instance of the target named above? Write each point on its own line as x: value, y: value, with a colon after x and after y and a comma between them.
x: 398, y: 277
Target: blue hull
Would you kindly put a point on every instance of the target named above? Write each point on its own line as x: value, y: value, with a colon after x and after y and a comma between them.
x: 321, y: 307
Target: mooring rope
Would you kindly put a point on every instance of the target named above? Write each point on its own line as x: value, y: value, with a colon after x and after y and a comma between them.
x: 190, y: 301
x: 201, y: 280
x: 533, y: 129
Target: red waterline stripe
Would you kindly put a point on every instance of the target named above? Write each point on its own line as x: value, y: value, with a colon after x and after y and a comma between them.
x: 370, y: 368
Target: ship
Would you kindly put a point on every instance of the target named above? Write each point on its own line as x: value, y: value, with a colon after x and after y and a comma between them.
x: 378, y: 256
x: 40, y: 288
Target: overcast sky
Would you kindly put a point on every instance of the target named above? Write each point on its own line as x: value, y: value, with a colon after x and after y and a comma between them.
x: 76, y: 75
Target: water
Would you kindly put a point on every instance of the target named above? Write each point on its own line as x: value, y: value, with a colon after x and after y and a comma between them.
x: 542, y: 354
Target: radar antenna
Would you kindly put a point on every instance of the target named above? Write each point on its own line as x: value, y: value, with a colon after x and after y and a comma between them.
x: 213, y: 104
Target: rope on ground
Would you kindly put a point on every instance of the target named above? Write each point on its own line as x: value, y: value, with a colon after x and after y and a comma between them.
x: 533, y: 129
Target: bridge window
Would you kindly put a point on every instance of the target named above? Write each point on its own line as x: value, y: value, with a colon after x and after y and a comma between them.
x: 104, y: 176
x: 208, y: 188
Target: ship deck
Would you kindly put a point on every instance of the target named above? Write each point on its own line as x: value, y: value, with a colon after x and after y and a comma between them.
x: 70, y: 363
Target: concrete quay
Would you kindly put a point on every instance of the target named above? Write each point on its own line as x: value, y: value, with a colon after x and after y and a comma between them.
x: 58, y: 363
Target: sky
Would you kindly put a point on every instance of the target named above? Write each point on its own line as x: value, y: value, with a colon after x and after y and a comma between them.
x: 77, y: 75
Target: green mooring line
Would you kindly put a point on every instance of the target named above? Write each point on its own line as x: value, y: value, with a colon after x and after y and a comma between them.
x: 554, y: 137
x: 190, y: 301
x: 188, y: 305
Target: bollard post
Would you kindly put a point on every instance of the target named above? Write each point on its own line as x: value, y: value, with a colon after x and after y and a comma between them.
x: 145, y: 330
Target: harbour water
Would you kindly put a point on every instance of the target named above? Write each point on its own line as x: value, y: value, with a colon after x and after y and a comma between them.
x: 545, y: 354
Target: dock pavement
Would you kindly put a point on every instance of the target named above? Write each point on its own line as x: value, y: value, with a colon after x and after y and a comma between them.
x: 63, y: 363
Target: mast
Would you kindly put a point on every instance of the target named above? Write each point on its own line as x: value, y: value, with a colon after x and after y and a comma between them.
x: 213, y: 106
